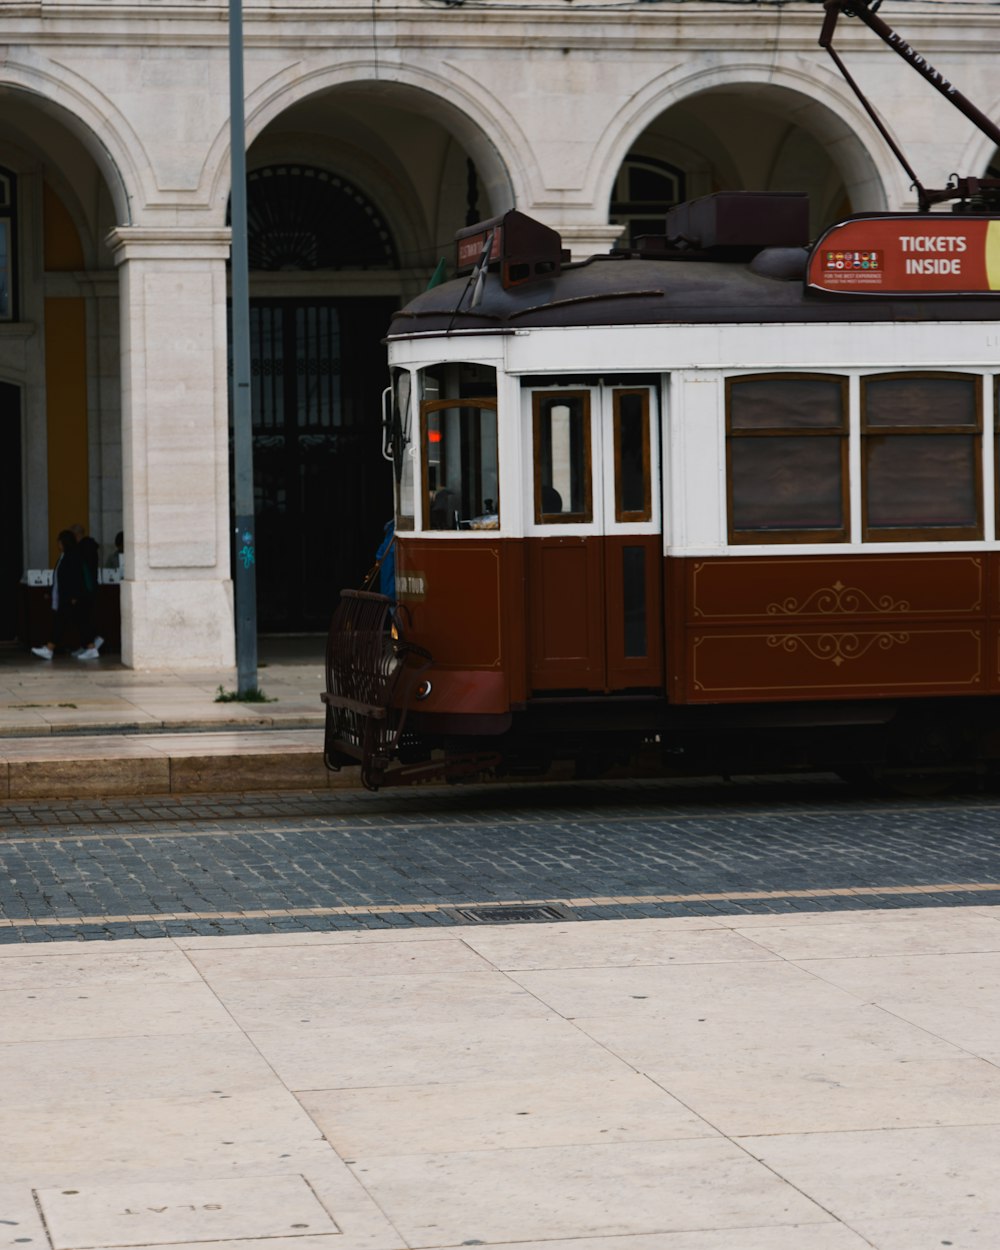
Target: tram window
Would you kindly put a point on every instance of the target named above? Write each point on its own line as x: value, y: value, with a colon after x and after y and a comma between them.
x: 459, y: 380
x: 461, y: 478
x: 562, y: 456
x: 921, y: 456
x: 631, y: 426
x: 787, y: 458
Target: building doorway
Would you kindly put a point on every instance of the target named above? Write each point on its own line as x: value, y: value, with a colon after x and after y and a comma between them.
x: 323, y: 492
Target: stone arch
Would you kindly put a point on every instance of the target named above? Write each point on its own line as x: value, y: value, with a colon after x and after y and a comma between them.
x: 71, y: 105
x: 404, y: 149
x: 813, y: 104
x: 76, y: 162
x: 483, y: 128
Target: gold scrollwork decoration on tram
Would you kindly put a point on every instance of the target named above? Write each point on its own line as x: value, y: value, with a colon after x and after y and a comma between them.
x: 838, y: 598
x: 837, y: 649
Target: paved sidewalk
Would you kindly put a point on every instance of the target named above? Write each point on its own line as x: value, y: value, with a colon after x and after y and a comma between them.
x: 827, y: 1081
x: 70, y: 727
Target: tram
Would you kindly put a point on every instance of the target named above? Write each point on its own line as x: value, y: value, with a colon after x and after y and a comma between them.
x: 729, y: 499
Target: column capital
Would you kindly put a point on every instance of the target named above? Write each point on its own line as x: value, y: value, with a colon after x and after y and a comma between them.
x: 169, y: 243
x: 588, y: 240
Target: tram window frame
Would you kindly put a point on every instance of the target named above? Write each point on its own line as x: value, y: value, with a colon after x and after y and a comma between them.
x: 737, y: 435
x: 874, y: 435
x: 645, y: 513
x: 584, y: 516
x: 486, y: 522
x: 405, y: 454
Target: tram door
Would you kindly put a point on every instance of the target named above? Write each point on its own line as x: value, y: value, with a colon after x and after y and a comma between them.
x: 594, y: 540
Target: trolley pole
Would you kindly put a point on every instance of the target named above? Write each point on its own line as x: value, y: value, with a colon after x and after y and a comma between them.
x: 245, y: 545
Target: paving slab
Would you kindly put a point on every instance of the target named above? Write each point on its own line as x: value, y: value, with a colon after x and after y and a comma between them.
x: 320, y: 1002
x: 891, y: 1174
x: 977, y: 1233
x: 418, y: 1050
x: 702, y: 1035
x: 832, y: 1096
x: 580, y: 946
x: 949, y: 933
x: 560, y: 1110
x: 164, y: 1213
x: 356, y: 959
x: 578, y: 1191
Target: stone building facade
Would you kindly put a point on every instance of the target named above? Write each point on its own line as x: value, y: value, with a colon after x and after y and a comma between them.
x: 374, y: 132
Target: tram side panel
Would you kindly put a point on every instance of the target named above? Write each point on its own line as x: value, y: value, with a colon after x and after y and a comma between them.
x: 761, y: 629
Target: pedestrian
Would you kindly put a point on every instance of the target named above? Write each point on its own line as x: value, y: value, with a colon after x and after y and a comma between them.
x: 90, y: 555
x: 67, y: 595
x: 117, y: 558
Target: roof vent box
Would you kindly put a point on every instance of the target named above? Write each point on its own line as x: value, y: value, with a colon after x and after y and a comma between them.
x: 523, y: 248
x: 741, y: 219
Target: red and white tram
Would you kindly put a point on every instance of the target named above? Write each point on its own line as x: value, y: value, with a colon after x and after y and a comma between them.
x: 735, y: 500
x: 725, y: 496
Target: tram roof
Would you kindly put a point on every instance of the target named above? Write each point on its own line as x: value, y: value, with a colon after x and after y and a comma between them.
x: 625, y: 290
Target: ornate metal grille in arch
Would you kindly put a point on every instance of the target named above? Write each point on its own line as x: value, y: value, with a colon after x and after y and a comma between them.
x: 303, y: 218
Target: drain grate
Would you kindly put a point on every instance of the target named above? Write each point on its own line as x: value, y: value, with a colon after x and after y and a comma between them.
x: 511, y: 914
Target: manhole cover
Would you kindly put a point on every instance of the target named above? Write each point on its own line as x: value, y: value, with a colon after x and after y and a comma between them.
x: 513, y: 915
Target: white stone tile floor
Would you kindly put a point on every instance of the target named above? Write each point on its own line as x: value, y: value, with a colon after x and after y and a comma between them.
x: 395, y: 1090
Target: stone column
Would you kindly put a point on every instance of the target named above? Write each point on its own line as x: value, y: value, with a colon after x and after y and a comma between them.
x: 177, y: 596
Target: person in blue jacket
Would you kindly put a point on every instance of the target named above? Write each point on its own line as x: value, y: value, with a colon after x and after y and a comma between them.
x: 386, y: 559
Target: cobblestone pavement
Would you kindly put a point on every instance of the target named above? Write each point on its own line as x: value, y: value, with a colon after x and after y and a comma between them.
x: 336, y: 860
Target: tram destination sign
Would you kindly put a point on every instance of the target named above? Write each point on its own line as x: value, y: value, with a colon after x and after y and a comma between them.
x: 918, y: 255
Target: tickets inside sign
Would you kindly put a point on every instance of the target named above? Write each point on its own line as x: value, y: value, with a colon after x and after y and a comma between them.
x: 930, y: 254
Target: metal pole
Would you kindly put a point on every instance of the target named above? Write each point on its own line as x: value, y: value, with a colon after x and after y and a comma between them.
x: 859, y: 8
x: 245, y: 546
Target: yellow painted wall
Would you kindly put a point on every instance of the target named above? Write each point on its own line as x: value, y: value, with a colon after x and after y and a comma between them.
x: 65, y: 377
x: 66, y: 393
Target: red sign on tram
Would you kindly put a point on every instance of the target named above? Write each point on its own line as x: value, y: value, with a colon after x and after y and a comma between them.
x: 929, y: 254
x: 470, y: 246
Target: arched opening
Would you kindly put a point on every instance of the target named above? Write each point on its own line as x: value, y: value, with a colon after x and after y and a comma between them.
x: 753, y: 137
x: 60, y: 408
x: 646, y: 186
x: 354, y: 196
x: 320, y: 485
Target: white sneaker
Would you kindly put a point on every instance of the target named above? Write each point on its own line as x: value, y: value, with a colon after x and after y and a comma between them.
x: 91, y: 654
x: 43, y: 653
x: 98, y: 643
